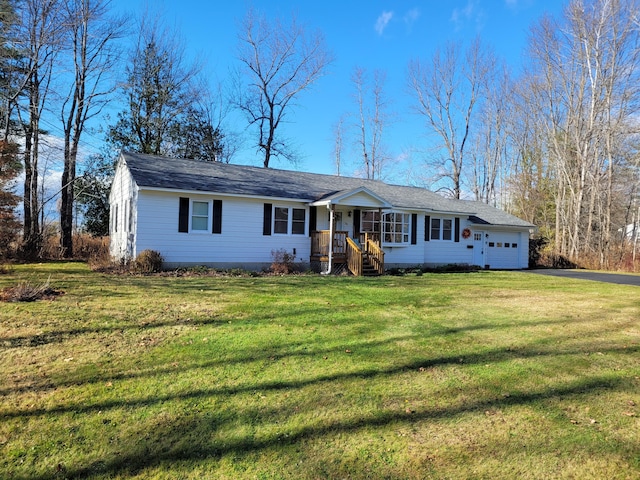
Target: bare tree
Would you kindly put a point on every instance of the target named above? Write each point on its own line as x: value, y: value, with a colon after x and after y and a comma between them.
x: 338, y: 146
x: 373, y: 118
x: 587, y: 91
x: 279, y: 61
x: 38, y: 37
x: 489, y: 149
x: 447, y: 90
x: 530, y: 177
x: 90, y: 38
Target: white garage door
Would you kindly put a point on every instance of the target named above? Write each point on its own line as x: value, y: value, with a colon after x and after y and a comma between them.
x: 503, y: 250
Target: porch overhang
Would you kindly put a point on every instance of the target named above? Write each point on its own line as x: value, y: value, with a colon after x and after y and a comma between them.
x: 358, y: 197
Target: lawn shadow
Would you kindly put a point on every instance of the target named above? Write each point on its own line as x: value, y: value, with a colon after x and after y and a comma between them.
x: 369, y: 373
x: 165, y: 444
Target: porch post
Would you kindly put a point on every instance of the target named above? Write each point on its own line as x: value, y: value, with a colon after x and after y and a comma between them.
x: 331, y: 211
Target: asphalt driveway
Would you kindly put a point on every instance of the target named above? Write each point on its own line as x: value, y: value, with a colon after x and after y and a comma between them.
x: 618, y: 278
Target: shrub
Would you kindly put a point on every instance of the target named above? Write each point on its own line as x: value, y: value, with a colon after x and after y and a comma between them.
x: 536, y: 251
x: 283, y: 262
x: 149, y: 261
x: 28, y: 292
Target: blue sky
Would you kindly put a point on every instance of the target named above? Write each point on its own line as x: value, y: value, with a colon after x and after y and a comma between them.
x: 373, y: 35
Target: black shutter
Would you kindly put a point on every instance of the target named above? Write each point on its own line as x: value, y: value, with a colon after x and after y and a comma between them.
x: 183, y: 215
x: 356, y: 224
x: 313, y: 219
x: 457, y: 229
x: 216, y: 224
x: 414, y: 228
x: 427, y: 227
x: 266, y: 222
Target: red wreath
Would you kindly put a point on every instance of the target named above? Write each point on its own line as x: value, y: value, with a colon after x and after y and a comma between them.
x: 466, y: 233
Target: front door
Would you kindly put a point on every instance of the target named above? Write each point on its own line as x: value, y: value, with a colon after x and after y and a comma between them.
x: 478, y: 248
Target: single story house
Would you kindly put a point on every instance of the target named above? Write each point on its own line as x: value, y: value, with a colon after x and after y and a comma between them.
x: 233, y: 216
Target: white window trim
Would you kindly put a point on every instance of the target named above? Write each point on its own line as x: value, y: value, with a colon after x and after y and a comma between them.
x: 403, y: 233
x: 209, y: 216
x: 441, y: 231
x: 289, y: 232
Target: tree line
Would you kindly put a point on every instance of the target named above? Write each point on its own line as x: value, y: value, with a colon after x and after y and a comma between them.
x: 556, y: 143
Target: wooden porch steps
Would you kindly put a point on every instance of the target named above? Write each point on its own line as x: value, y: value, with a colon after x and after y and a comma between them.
x: 368, y: 270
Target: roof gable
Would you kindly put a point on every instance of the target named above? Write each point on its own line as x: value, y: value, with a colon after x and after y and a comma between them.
x: 357, y: 197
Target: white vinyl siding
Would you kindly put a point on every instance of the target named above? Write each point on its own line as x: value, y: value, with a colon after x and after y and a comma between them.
x: 240, y: 244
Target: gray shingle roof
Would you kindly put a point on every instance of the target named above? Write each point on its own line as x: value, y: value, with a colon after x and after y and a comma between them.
x: 191, y: 175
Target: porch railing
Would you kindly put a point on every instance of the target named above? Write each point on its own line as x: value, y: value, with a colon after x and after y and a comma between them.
x: 320, y: 243
x: 366, y: 236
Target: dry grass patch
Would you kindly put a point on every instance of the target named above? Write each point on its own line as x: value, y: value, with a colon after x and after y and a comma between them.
x: 26, y: 291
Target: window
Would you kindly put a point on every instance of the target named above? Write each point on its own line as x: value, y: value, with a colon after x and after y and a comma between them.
x: 200, y: 216
x: 447, y: 229
x: 514, y: 245
x: 370, y: 221
x: 396, y: 228
x: 435, y: 229
x: 477, y: 237
x: 297, y: 221
x: 124, y: 216
x: 280, y: 220
x: 289, y: 220
x: 442, y: 229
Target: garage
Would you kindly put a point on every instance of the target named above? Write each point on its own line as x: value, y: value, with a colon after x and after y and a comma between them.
x: 504, y: 250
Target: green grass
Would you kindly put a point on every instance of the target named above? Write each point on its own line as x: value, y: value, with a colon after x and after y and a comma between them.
x: 472, y: 375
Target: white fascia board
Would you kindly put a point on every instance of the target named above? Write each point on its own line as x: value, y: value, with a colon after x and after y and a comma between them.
x: 221, y: 194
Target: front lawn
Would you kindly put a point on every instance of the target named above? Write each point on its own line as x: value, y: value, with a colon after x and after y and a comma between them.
x: 462, y: 375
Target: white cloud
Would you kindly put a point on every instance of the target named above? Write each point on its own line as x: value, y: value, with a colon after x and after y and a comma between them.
x: 383, y: 21
x: 411, y: 17
x: 471, y: 12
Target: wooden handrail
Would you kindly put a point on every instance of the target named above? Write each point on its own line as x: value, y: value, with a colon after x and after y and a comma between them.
x: 354, y: 257
x: 345, y: 247
x: 376, y: 256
